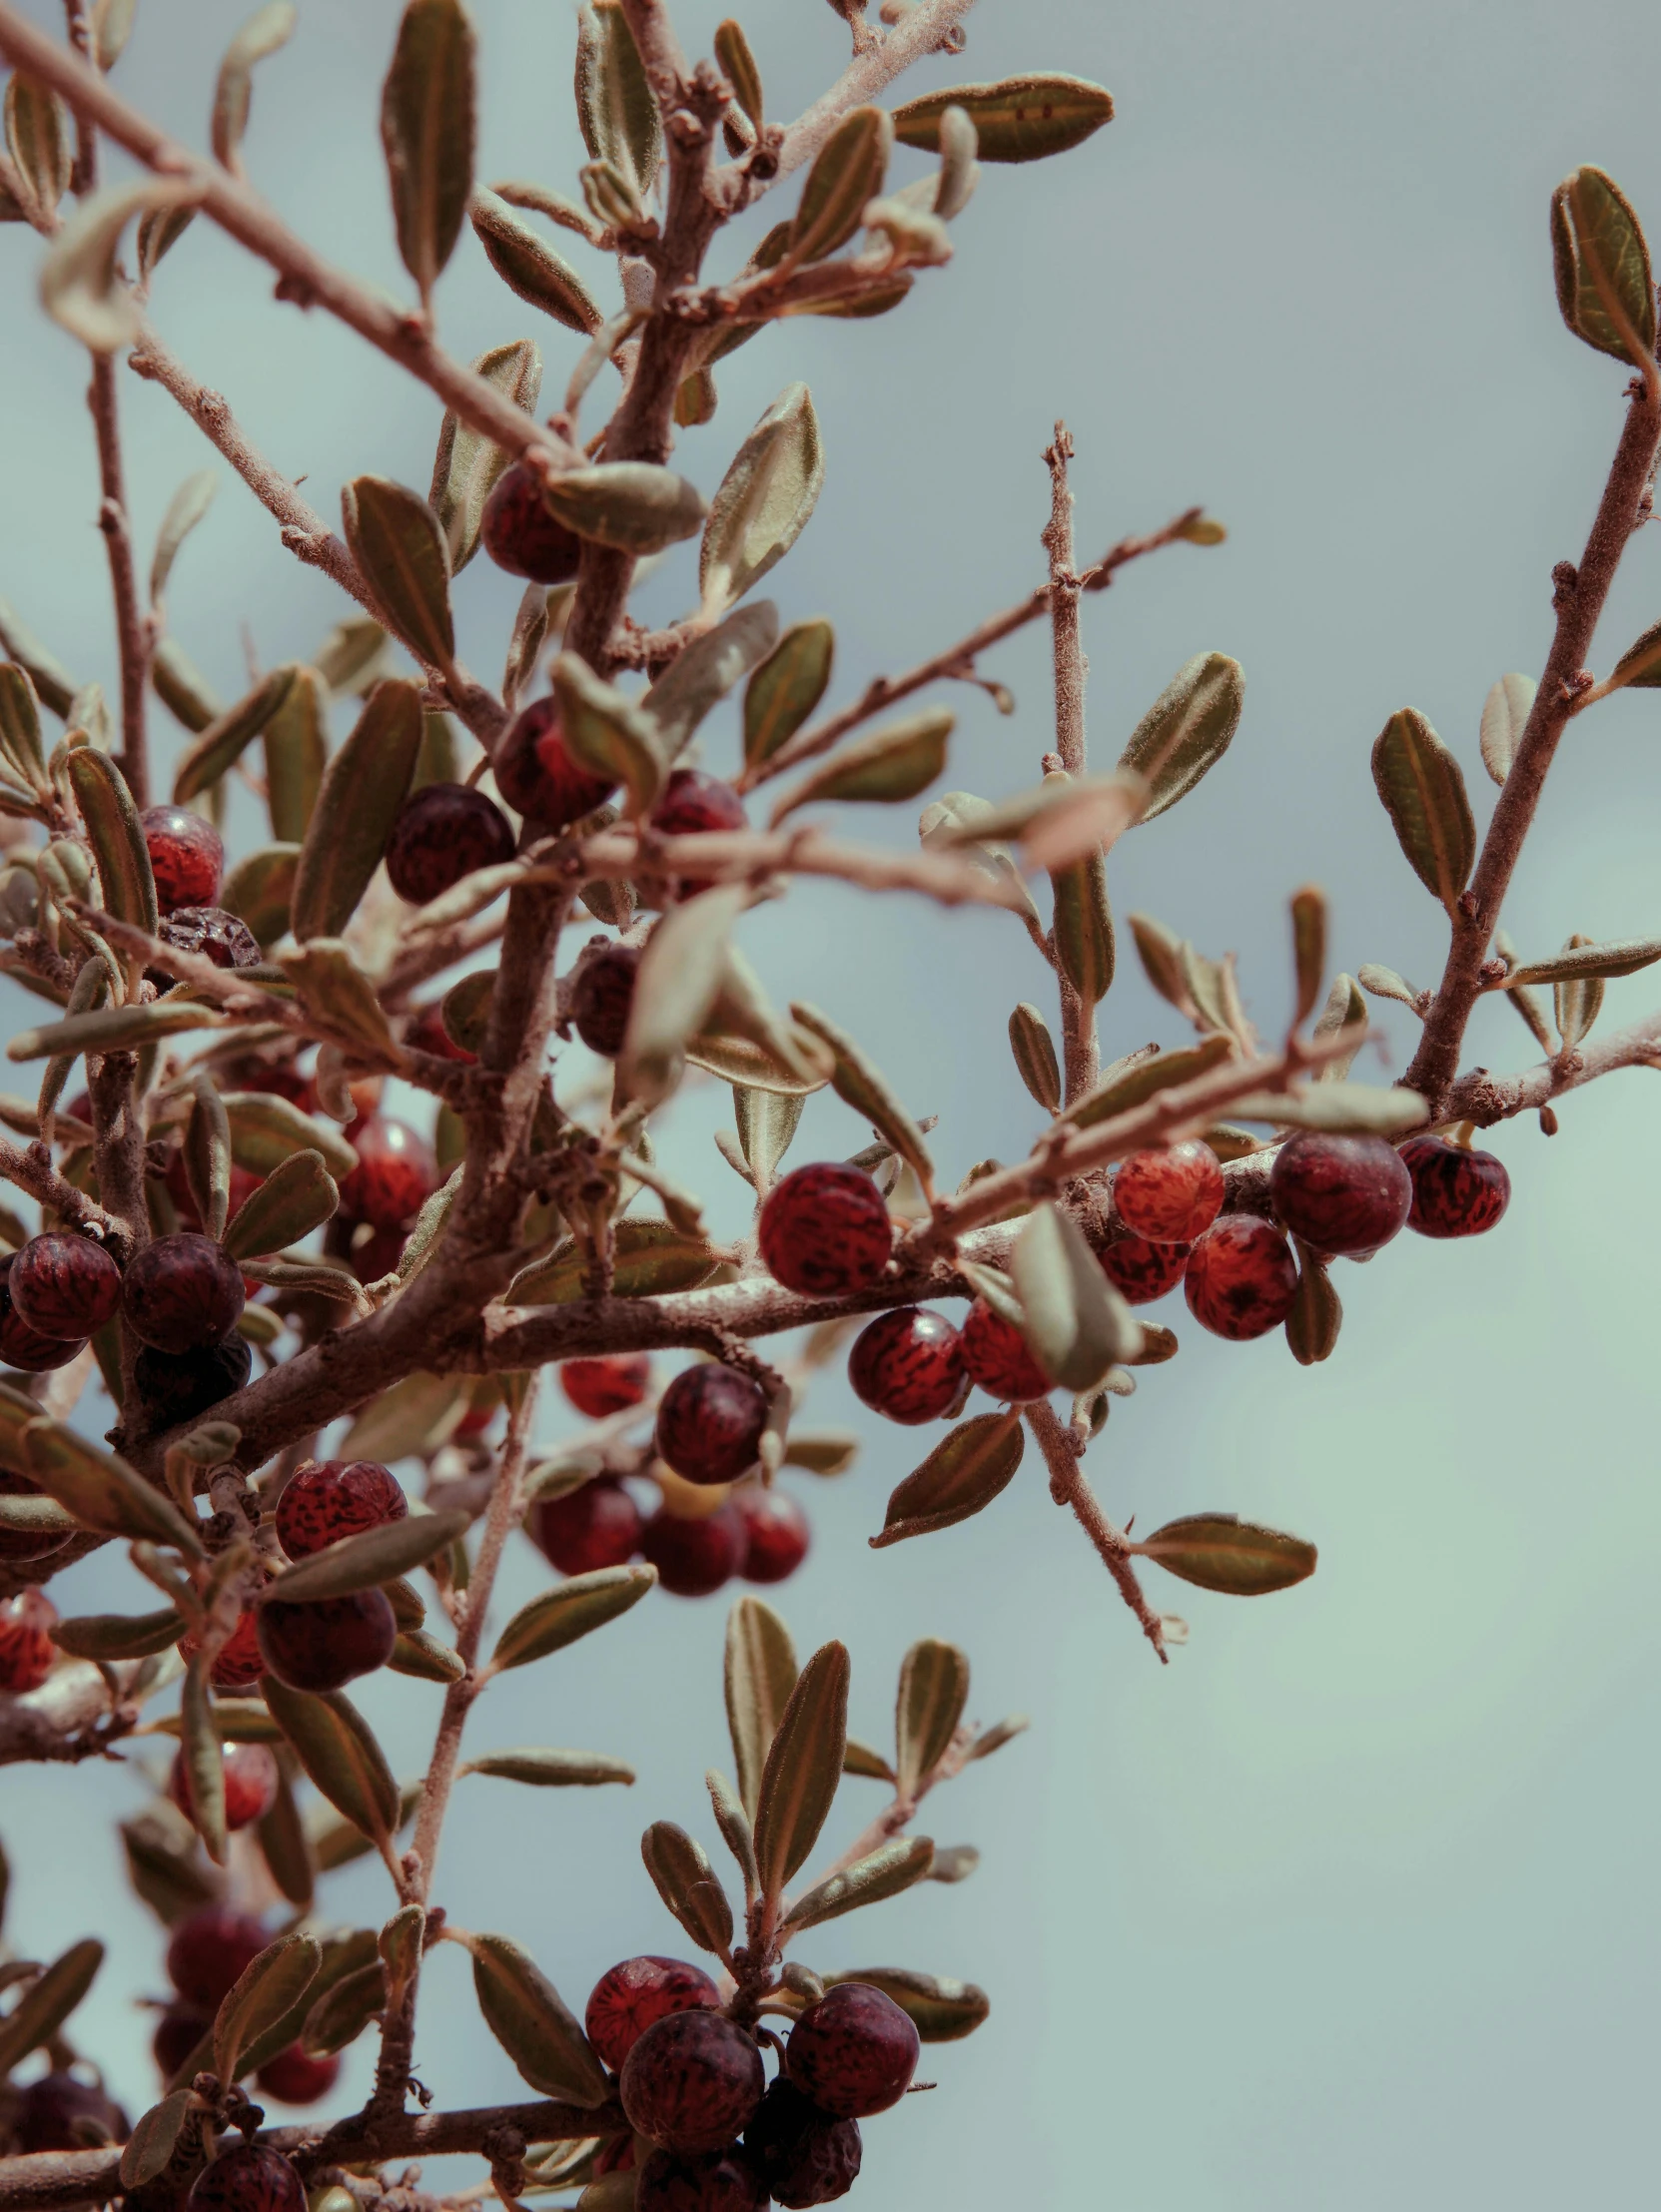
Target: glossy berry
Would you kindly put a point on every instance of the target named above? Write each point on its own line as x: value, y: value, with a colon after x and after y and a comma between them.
x: 442, y: 833
x: 777, y: 1533
x: 63, y: 1286
x: 1241, y: 1278
x: 1169, y: 1195
x: 1142, y: 1272
x: 1456, y: 1192
x: 996, y: 1356
x: 596, y: 1526
x: 211, y: 934
x: 609, y: 1385
x: 693, y: 803
x: 178, y: 2032
x: 538, y: 778
x: 853, y: 2051
x: 27, y: 1650
x: 26, y: 1543
x: 209, y: 1951
x: 1340, y: 1195
x: 626, y: 2001
x: 694, y: 1556
x: 187, y: 857
x: 237, y: 1665
x: 177, y: 1386
x: 601, y: 998
x: 692, y: 2081
x: 248, y: 2178
x: 60, y: 2113
x: 292, y: 2077
x: 804, y: 2156
x: 522, y: 535
x: 908, y: 1364
x: 699, y: 2181
x: 20, y: 1346
x: 394, y: 1176
x: 182, y: 1293
x: 329, y: 1642
x: 250, y: 1772
x: 426, y: 1033
x: 709, y: 1423
x: 327, y: 1499
x: 824, y: 1230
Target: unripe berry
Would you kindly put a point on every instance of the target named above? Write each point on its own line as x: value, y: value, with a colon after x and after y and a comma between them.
x: 237, y: 1665
x: 27, y: 1650
x: 182, y: 1293
x: 853, y: 2051
x: 1456, y: 1192
x: 250, y: 1784
x: 20, y: 1346
x: 607, y: 1385
x: 1170, y: 1193
x: 777, y: 1533
x: 17, y: 1544
x: 442, y: 833
x: 248, y: 2178
x: 699, y: 2181
x: 208, y: 1951
x: 327, y: 1499
x: 178, y: 1386
x: 538, y: 776
x: 908, y: 1364
x: 394, y: 1176
x: 292, y: 2077
x: 178, y: 2032
x: 326, y: 1643
x: 824, y: 1230
x: 522, y: 534
x: 60, y: 2113
x: 1340, y: 1195
x: 694, y: 1556
x: 996, y: 1356
x: 709, y: 1423
x: 211, y: 934
x: 692, y: 2081
x: 804, y: 2156
x: 64, y: 1286
x: 1142, y: 1272
x: 630, y: 1996
x: 1241, y: 1278
x: 602, y: 996
x: 596, y: 1526
x: 187, y: 857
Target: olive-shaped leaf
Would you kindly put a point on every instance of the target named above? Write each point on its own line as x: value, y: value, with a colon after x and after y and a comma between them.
x: 1343, y: 1109
x: 1218, y: 1551
x: 1576, y: 1000
x: 468, y: 465
x: 1601, y: 261
x: 81, y: 286
x: 418, y: 1414
x: 760, y: 1674
x: 574, y: 1609
x: 1145, y: 1077
x: 616, y: 111
x: 112, y: 1030
x: 337, y: 1749
x: 706, y: 671
x: 1584, y: 958
x: 1019, y: 118
x: 941, y: 2011
x: 606, y: 734
x: 20, y: 745
x: 786, y: 688
x: 424, y: 1657
x: 652, y: 1260
x: 51, y: 681
x: 933, y: 1689
x: 529, y: 265
x: 223, y: 743
x: 893, y: 763
x: 1316, y: 1313
x: 688, y: 1884
x: 282, y: 1843
x: 1084, y: 934
x: 427, y: 130
x: 675, y: 988
x: 337, y: 996
x: 738, y: 66
x: 1510, y: 702
x: 884, y: 1872
x: 117, y: 836
x: 297, y: 752
x: 847, y: 171
x: 633, y: 505
x: 549, y: 1770
x: 45, y: 2005
x: 859, y: 1083
x: 1035, y: 1055
x: 829, y: 1452
x: 529, y: 2019
x: 1187, y: 730
x: 38, y: 140
x: 266, y: 1129
x: 1075, y: 1321
x: 259, y: 890
x: 101, y: 1490
x: 150, y: 2147
x: 363, y: 788
x: 764, y: 499
x: 1423, y: 793
x: 340, y: 2014
x: 803, y: 1768
x: 108, y: 1636
x: 369, y: 1559
x: 265, y: 31
x: 266, y: 1989
x: 182, y: 687
x: 204, y: 1762
x: 398, y: 542
x: 962, y: 1475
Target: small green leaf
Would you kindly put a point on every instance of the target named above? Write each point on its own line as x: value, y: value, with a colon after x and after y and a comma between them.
x: 962, y: 1475
x: 847, y: 171
x: 223, y: 743
x: 337, y: 1749
x: 204, y: 1762
x: 1035, y: 1055
x: 675, y: 988
x: 616, y: 108
x: 117, y: 837
x: 688, y: 1886
x: 767, y: 1121
x: 295, y: 1199
x: 339, y: 999
x: 185, y: 510
x: 760, y: 1674
x: 1144, y: 1078
x: 45, y: 2005
x: 575, y: 1607
x: 652, y: 1260
x: 148, y: 2148
x: 263, y: 1993
x: 1510, y: 702
x: 884, y: 1872
x: 1219, y: 1550
x: 706, y: 671
x: 267, y: 1131
x: 468, y: 465
x: 268, y: 29
x: 102, y: 1491
x: 1316, y: 1311
x: 369, y: 1559
x: 1075, y: 1321
x: 786, y: 688
x: 551, y: 1769
x: 764, y: 499
x: 112, y: 1030
x: 803, y: 1768
x: 1019, y: 118
x: 828, y: 1452
x: 933, y: 1689
x: 20, y: 745
x: 1604, y: 287
x: 108, y: 1636
x: 259, y: 890
x: 942, y: 2011
x: 282, y: 1843
x: 1083, y: 937
x: 527, y: 265
x: 50, y: 679
x: 633, y: 505
x: 1582, y: 959
x: 1577, y: 1000
x: 396, y: 541
x: 297, y: 753
x: 1187, y: 730
x: 340, y: 2015
x: 608, y: 735
x: 1343, y: 1109
x: 416, y: 1654
x: 427, y: 130
x: 737, y: 64
x: 80, y: 284
x: 893, y: 763
x: 38, y: 140
x: 1423, y: 793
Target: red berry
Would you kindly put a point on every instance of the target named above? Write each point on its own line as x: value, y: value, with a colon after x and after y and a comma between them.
x: 182, y: 1293
x: 692, y: 2081
x: 60, y: 2113
x: 394, y: 1176
x: 693, y: 802
x: 626, y: 2001
x: 1142, y: 1272
x: 825, y: 1230
x: 20, y: 1346
x: 908, y: 1364
x: 521, y: 533
x: 1340, y: 1195
x: 442, y: 833
x: 250, y: 1784
x: 1241, y: 1278
x: 1456, y: 1192
x: 426, y: 1033
x: 292, y: 2077
x: 709, y: 1423
x: 609, y: 1385
x: 699, y: 2181
x: 210, y: 1951
x: 187, y: 857
x: 601, y: 998
x: 694, y: 1556
x: 853, y: 2051
x: 27, y: 1650
x: 211, y: 934
x: 63, y: 1286
x: 378, y: 1254
x: 778, y: 1533
x: 20, y: 1543
x: 538, y: 778
x: 328, y: 1642
x: 248, y: 2178
x: 804, y: 2156
x: 239, y: 1664
x: 327, y: 1499
x: 596, y: 1526
x: 178, y: 2032
x: 178, y: 1386
x: 1169, y: 1195
x: 994, y: 1353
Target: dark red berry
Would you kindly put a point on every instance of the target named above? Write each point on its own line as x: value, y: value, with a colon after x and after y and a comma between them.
x: 699, y: 2181
x: 442, y: 833
x: 538, y: 778
x: 20, y: 1346
x: 394, y: 1176
x: 250, y: 1772
x: 63, y: 1286
x: 327, y: 1499
x: 824, y: 1230
x: 178, y: 2032
x: 1170, y: 1193
x: 693, y: 803
x: 626, y: 2001
x: 60, y: 2113
x: 210, y: 1951
x: 211, y: 934
x: 187, y: 857
x: 692, y: 2081
x: 1241, y: 1278
x: 521, y: 533
x: 853, y: 2051
x: 237, y: 1665
x: 25, y: 1646
x: 601, y: 998
x: 378, y: 1254
x: 24, y: 1543
x: 1456, y: 1192
x: 596, y: 1526
x: 182, y: 1293
x: 248, y: 2178
x: 804, y: 2156
x: 996, y: 1356
x: 908, y: 1364
x: 1142, y: 1272
x: 177, y: 1386
x: 1340, y: 1195
x: 612, y: 1384
x: 329, y: 1642
x: 695, y: 1556
x: 293, y: 2078
x: 777, y: 1530
x: 709, y: 1423
x: 426, y: 1033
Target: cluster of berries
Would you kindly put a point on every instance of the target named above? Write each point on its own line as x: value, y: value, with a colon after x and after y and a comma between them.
x: 207, y: 1952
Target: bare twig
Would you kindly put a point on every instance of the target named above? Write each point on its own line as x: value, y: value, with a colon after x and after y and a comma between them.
x: 921, y: 31
x: 1487, y: 1098
x: 31, y: 1169
x: 736, y: 854
x: 1068, y: 1487
x: 131, y: 626
x: 1081, y: 1052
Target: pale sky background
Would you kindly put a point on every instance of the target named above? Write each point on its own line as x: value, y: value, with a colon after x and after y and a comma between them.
x: 1354, y: 1904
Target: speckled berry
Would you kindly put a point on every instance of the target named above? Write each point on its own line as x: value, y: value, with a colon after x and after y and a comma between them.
x: 426, y: 1033
x: 612, y: 1384
x: 62, y: 2112
x: 18, y: 1544
x: 178, y: 2033
x: 250, y: 1772
x: 908, y: 1364
x: 237, y: 1665
x: 1456, y: 1192
x: 27, y: 1652
x: 293, y: 2078
x: 521, y: 534
x: 1170, y: 1193
x: 20, y: 1346
x: 699, y: 2181
x: 187, y: 857
x: 996, y: 1356
x: 327, y: 1643
x: 1241, y: 1278
x: 1142, y: 1272
x: 804, y: 2156
x: 596, y: 1526
x: 538, y: 778
x: 626, y: 2001
x: 396, y: 1175
x: 248, y: 2178
x: 1340, y: 1195
x: 64, y: 1286
x: 211, y: 934
x: 442, y: 833
x: 694, y: 1556
x: 178, y: 1386
x: 825, y: 1231
x: 709, y: 1423
x: 327, y: 1499
x: 601, y: 998
x: 853, y: 2051
x: 692, y: 2081
x: 208, y: 1951
x: 182, y: 1293
x: 777, y: 1534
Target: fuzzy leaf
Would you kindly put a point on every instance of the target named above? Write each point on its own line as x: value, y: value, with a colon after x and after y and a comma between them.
x: 654, y: 1259
x: 616, y: 108
x: 606, y: 734
x: 574, y: 1609
x: 295, y: 1199
x: 893, y: 763
x: 117, y: 837
x: 764, y: 499
x: 427, y: 130
x: 786, y: 688
x: 1085, y: 949
x: 933, y: 1689
x: 110, y: 1636
x: 688, y: 1884
x: 1509, y: 703
x: 369, y: 1559
x: 1423, y: 793
x: 184, y: 512
x: 263, y: 1995
x: 38, y: 140
x: 529, y: 265
x: 45, y: 2005
x: 675, y: 988
x: 859, y: 1083
x: 468, y: 465
x: 706, y: 671
x: 633, y: 505
x: 759, y: 1675
x: 847, y: 171
x: 803, y: 1768
x: 1019, y: 118
x: 337, y: 1747
x: 80, y: 285
x: 297, y: 753
x: 942, y: 2011
x: 884, y: 1872
x: 268, y: 29
x: 1604, y: 287
x: 102, y: 1491
x: 223, y: 743
x: 1187, y: 730
x: 396, y: 541
x: 529, y: 2019
x: 1218, y: 1551
x: 1583, y: 959
x: 962, y: 1475
x: 259, y: 890
x: 549, y: 1770
x: 1075, y: 1323
x: 150, y: 2146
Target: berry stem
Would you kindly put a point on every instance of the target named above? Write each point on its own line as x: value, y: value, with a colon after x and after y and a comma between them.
x: 1068, y: 1487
